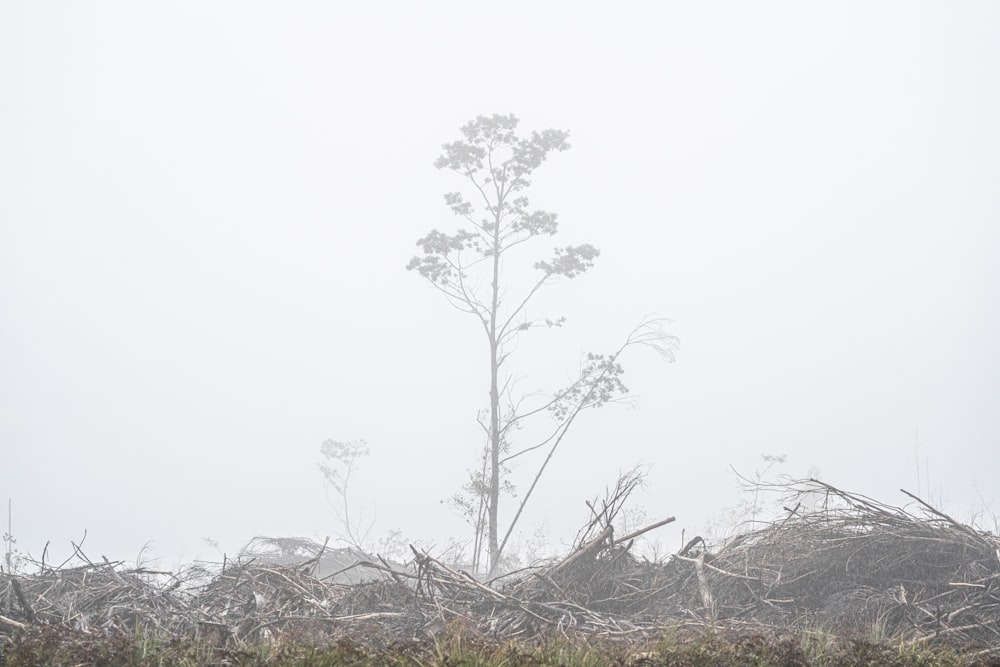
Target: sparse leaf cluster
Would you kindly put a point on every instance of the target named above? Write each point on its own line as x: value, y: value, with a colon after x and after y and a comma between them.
x: 600, y: 382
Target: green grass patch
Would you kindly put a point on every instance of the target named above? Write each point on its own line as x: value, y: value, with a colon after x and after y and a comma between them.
x: 55, y: 646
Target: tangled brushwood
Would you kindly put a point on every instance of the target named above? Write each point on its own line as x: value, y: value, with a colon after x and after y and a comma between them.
x: 836, y: 561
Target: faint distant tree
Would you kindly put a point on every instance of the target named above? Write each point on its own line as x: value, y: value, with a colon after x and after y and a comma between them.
x: 13, y: 559
x: 339, y: 465
x: 761, y: 498
x: 753, y: 506
x: 470, y: 268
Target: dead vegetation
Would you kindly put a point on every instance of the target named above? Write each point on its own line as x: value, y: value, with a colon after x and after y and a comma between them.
x: 836, y: 561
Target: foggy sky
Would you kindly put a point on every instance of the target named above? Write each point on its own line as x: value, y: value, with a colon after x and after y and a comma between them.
x: 206, y: 210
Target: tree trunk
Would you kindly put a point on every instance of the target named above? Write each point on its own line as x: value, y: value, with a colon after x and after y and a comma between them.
x: 494, y: 490
x: 494, y: 461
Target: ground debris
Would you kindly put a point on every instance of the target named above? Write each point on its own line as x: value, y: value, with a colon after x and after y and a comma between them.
x: 837, y: 561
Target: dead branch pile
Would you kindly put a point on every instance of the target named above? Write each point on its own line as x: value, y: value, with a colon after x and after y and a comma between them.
x: 849, y: 563
x: 838, y: 561
x: 592, y: 593
x: 93, y: 597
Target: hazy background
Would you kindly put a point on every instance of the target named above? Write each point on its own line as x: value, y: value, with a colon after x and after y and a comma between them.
x: 206, y: 209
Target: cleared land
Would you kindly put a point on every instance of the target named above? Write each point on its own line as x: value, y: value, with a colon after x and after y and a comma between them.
x: 840, y: 579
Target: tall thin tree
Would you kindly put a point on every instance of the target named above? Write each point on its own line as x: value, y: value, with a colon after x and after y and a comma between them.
x: 498, y: 165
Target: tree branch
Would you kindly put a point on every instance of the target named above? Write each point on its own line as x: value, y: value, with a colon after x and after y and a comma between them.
x: 520, y: 307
